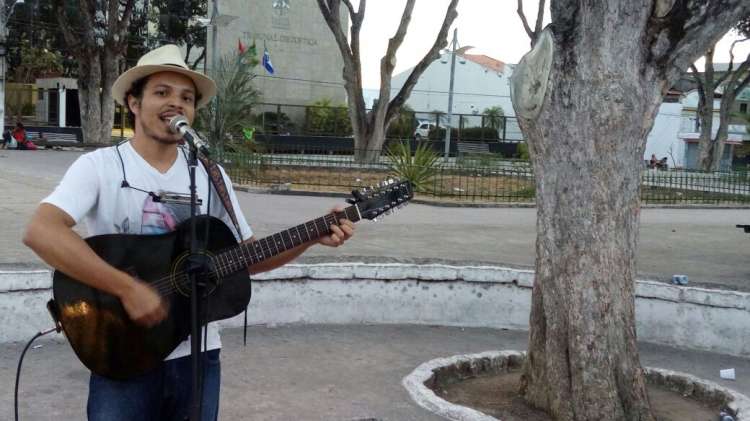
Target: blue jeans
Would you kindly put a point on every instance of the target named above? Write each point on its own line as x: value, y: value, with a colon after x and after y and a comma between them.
x: 163, y: 394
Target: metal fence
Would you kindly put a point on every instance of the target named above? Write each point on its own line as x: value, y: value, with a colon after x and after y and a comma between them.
x: 474, y: 178
x: 317, y: 120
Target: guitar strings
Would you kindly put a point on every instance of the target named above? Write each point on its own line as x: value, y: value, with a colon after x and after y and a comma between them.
x: 164, y: 286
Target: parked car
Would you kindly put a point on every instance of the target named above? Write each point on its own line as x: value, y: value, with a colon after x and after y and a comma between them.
x: 423, y: 130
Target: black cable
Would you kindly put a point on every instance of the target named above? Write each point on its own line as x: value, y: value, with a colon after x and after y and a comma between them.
x: 20, y: 361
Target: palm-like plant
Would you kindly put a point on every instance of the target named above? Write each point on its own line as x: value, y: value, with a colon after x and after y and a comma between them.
x: 224, y: 119
x: 419, y: 168
x: 493, y: 116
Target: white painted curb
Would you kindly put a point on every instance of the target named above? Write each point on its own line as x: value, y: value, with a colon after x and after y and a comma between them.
x: 432, y: 294
x: 426, y: 398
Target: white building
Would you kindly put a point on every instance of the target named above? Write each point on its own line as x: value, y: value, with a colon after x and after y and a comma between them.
x: 480, y: 82
x: 690, y: 130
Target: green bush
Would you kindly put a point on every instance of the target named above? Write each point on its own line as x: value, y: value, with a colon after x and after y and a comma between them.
x: 403, y: 126
x: 418, y: 167
x: 324, y: 119
x: 522, y: 151
x: 272, y: 122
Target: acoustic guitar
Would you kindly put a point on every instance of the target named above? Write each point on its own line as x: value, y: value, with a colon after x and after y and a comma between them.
x: 111, y: 345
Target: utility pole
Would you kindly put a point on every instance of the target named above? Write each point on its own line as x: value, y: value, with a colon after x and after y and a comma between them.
x: 214, y: 29
x: 454, y: 46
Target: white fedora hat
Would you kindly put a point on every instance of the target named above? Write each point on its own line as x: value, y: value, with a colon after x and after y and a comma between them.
x: 163, y: 59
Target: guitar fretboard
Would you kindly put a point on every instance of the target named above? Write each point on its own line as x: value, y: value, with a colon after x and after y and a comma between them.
x: 246, y: 254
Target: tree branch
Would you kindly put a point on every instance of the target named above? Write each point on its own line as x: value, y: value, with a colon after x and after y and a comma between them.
x: 539, y: 19
x: 689, y: 29
x: 349, y: 6
x: 65, y: 27
x: 434, y: 53
x: 744, y: 69
x: 526, y: 27
x: 330, y: 11
x: 388, y: 62
x: 701, y: 87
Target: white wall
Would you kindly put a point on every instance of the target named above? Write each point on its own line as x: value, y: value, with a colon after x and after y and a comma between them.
x: 475, y: 87
x: 351, y: 293
x: 664, y: 139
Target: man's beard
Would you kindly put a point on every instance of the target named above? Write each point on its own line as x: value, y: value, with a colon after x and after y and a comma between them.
x: 168, y: 139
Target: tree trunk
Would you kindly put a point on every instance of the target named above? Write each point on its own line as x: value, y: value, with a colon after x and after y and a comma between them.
x: 97, y: 104
x: 368, y: 144
x: 587, y: 143
x: 705, y: 140
x: 89, y: 83
x: 586, y: 100
x: 98, y: 53
x: 369, y: 129
x: 722, y: 134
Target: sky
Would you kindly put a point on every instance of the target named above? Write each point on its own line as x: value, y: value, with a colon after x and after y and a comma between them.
x: 491, y: 26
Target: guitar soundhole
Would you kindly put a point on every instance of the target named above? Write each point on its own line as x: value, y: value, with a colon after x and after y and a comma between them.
x: 208, y: 277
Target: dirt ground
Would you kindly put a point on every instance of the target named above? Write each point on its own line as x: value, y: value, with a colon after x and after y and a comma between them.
x: 497, y: 395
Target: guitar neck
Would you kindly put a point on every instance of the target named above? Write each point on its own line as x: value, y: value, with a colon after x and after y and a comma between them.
x: 239, y: 258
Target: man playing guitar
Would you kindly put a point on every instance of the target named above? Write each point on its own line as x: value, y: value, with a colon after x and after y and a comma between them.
x: 112, y: 191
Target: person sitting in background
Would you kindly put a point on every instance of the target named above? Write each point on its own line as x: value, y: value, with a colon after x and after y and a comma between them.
x: 5, y: 142
x: 19, y: 134
x: 662, y: 164
x: 10, y: 140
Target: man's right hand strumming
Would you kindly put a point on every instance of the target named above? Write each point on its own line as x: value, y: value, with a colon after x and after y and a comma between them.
x: 143, y: 304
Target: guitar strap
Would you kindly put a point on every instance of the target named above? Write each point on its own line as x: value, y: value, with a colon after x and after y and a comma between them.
x: 221, y: 188
x: 217, y: 180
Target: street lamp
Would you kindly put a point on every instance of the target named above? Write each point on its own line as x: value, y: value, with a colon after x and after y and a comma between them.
x: 3, y: 53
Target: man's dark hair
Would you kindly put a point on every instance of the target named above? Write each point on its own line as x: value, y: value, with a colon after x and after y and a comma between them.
x: 136, y: 90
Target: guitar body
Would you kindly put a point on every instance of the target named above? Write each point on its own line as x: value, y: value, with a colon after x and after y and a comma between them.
x: 96, y: 324
x: 111, y: 345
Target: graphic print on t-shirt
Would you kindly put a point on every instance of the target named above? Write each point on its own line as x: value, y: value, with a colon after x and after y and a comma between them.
x: 158, y: 217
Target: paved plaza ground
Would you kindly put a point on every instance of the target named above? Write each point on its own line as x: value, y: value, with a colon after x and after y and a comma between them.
x: 313, y: 372
x: 331, y: 372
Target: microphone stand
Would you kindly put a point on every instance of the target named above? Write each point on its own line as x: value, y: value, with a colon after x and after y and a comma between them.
x: 195, y: 266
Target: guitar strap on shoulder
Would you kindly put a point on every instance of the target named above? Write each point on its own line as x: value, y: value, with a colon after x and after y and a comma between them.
x: 221, y: 188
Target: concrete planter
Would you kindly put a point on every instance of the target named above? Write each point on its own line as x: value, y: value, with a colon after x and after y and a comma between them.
x: 466, y: 366
x: 434, y: 294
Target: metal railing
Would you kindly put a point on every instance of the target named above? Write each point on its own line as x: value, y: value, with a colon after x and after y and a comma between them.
x: 316, y: 120
x: 480, y: 178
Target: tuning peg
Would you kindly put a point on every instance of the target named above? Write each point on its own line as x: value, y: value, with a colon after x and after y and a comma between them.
x: 357, y: 197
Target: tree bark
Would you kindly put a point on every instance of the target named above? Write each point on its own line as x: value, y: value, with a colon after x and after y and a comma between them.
x: 586, y: 136
x: 369, y: 128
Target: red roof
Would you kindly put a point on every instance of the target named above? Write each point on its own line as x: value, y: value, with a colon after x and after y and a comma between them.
x: 483, y: 60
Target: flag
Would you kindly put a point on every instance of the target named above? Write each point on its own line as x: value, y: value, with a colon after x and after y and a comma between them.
x: 240, y: 47
x: 267, y: 61
x: 253, y: 50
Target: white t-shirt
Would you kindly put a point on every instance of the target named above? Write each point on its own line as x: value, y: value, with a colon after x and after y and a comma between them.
x: 91, y: 191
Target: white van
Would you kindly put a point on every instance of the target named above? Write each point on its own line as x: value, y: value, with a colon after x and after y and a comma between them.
x: 423, y: 130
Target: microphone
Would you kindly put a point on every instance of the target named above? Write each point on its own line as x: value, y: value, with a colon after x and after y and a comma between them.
x: 179, y: 124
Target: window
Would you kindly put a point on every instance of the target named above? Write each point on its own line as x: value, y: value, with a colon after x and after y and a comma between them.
x: 743, y: 107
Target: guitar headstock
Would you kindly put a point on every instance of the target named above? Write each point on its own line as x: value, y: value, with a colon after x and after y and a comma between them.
x: 383, y: 198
